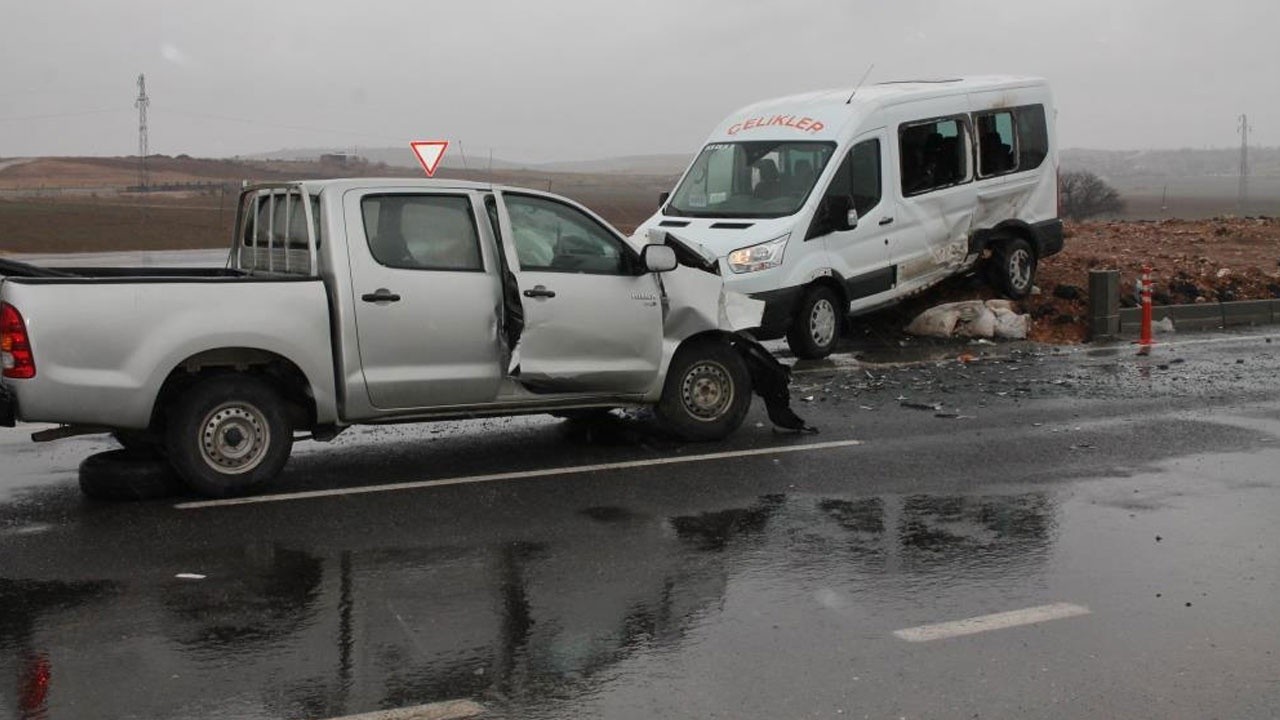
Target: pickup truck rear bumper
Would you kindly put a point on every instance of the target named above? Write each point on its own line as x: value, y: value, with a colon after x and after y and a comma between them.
x: 8, y: 408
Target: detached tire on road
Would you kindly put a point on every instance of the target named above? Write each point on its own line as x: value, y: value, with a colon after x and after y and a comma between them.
x: 583, y: 414
x: 1013, y: 268
x: 815, y: 330
x: 228, y: 435
x: 128, y: 475
x: 139, y: 440
x: 707, y: 391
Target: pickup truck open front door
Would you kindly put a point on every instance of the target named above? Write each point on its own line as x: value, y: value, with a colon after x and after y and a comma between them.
x: 592, y: 317
x: 427, y: 298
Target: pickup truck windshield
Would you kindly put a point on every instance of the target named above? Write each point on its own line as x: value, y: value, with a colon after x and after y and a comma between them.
x: 759, y: 179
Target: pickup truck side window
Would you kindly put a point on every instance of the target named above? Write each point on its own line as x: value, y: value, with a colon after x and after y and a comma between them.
x: 551, y: 236
x: 422, y: 232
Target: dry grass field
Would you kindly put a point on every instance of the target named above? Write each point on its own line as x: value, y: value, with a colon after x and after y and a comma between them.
x: 81, y: 204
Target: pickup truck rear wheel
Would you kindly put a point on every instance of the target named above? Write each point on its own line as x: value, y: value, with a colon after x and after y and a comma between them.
x: 228, y: 435
x: 707, y: 391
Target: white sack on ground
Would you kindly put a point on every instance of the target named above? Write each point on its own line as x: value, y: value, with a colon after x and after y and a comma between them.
x: 971, y: 318
x: 1011, y: 325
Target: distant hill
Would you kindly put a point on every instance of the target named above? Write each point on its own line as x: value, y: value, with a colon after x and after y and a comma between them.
x: 1185, y: 163
x: 1115, y: 164
x: 672, y: 164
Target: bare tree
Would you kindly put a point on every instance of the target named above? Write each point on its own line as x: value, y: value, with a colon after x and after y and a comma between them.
x: 1085, y: 195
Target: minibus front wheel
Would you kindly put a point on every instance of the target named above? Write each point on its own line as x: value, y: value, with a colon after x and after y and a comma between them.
x: 815, y: 329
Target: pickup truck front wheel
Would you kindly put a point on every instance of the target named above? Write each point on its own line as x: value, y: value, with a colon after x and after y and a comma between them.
x: 228, y: 435
x: 707, y: 391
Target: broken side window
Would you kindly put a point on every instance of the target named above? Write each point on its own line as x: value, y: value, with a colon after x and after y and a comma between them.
x: 997, y: 143
x: 934, y: 154
x: 1033, y: 136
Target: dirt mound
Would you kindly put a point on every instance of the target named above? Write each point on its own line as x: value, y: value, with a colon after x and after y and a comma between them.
x: 1193, y: 261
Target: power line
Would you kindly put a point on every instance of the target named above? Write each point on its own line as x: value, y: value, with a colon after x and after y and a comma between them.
x: 57, y: 116
x: 248, y: 121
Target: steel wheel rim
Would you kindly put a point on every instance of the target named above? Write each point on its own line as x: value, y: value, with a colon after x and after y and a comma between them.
x: 1020, y: 269
x: 234, y: 438
x: 822, y: 322
x: 707, y: 391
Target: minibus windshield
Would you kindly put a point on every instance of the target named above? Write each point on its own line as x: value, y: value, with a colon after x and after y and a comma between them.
x: 758, y: 179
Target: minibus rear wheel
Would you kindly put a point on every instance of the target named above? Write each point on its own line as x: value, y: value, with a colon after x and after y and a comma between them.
x: 815, y: 329
x: 1013, y: 268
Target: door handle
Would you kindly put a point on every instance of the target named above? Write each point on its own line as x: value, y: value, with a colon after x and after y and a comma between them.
x: 380, y: 295
x: 886, y: 221
x: 539, y: 291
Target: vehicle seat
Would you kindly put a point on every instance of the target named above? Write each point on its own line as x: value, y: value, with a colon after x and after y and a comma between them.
x: 996, y: 156
x: 950, y: 166
x: 450, y: 242
x: 801, y: 178
x: 389, y: 248
x: 770, y: 185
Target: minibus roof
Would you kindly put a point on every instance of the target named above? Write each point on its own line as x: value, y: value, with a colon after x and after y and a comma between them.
x: 822, y: 114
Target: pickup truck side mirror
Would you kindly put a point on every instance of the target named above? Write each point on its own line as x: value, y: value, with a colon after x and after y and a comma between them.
x: 658, y: 258
x: 663, y: 198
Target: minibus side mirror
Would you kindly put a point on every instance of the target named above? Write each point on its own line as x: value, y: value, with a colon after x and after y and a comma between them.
x: 841, y: 213
x: 662, y: 198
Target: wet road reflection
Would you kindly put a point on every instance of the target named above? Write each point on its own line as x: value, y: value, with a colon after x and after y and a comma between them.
x: 408, y: 614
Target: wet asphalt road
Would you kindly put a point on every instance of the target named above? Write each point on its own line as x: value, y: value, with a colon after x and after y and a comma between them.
x: 1143, y: 490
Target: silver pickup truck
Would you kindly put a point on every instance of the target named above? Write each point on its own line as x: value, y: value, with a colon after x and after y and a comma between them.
x: 379, y: 301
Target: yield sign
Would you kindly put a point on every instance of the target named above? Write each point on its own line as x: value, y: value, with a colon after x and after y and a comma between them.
x: 429, y: 153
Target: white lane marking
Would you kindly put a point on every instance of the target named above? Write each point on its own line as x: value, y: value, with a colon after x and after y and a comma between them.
x: 985, y: 623
x: 517, y: 475
x: 448, y: 710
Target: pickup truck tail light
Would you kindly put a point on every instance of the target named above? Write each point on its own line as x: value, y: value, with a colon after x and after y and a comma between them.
x: 15, y: 345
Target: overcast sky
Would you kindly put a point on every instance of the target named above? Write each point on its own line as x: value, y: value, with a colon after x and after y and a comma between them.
x: 567, y: 79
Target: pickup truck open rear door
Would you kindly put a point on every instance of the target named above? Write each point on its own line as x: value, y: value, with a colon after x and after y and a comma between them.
x: 592, y: 318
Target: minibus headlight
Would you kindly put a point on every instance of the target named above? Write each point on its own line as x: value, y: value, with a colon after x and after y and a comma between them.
x: 759, y: 257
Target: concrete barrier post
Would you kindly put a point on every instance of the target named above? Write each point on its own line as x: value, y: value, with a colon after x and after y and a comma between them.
x: 1104, y: 304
